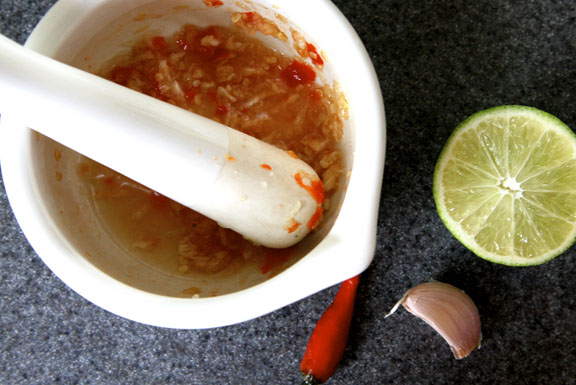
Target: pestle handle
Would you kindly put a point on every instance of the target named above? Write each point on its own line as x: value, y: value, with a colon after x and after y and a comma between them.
x: 249, y: 186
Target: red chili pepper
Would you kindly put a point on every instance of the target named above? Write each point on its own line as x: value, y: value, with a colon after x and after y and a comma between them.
x: 328, y: 341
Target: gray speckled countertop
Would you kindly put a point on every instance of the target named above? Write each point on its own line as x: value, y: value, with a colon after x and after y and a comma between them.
x: 438, y: 62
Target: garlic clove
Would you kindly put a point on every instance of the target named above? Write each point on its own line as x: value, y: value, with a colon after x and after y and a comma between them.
x: 449, y: 310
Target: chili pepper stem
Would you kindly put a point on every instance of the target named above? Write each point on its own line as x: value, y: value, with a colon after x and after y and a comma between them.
x: 308, y: 379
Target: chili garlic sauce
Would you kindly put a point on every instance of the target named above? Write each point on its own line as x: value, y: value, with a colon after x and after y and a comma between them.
x: 230, y: 77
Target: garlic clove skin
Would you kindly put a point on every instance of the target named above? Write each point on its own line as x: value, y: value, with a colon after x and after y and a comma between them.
x: 449, y: 310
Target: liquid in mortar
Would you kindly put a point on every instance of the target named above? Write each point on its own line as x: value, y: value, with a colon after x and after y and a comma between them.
x: 228, y: 76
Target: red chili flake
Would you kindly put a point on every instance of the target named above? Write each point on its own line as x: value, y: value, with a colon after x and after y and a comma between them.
x: 314, y: 55
x: 189, y: 94
x: 266, y: 166
x: 250, y: 17
x: 315, y: 188
x: 222, y: 110
x: 316, y: 218
x: 316, y: 95
x: 292, y: 154
x: 158, y: 43
x: 212, y: 3
x: 110, y: 181
x: 210, y: 53
x: 293, y: 226
x: 298, y: 73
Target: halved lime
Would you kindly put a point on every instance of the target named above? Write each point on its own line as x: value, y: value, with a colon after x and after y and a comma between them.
x: 505, y: 185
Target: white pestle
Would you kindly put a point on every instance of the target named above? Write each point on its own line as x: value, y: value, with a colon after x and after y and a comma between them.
x: 242, y: 183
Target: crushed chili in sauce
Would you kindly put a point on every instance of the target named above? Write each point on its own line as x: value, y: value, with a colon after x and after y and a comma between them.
x: 228, y: 76
x: 298, y: 73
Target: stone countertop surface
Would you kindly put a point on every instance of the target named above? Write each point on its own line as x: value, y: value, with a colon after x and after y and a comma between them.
x: 438, y: 61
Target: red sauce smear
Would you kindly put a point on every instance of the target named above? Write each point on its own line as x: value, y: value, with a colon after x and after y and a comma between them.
x: 298, y: 73
x: 315, y: 188
x: 266, y: 166
x: 316, y: 191
x: 314, y: 55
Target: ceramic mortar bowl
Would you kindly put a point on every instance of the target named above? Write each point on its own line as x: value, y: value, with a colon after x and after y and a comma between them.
x: 59, y: 219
